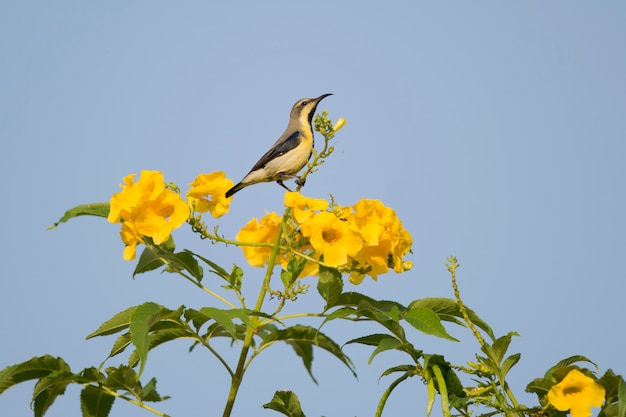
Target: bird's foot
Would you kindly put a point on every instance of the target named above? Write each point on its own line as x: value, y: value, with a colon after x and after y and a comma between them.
x: 280, y: 182
x: 300, y: 181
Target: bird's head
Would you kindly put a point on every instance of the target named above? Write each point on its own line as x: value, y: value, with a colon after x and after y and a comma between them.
x: 304, y: 109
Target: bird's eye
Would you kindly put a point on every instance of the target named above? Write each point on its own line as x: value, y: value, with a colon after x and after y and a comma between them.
x: 304, y: 102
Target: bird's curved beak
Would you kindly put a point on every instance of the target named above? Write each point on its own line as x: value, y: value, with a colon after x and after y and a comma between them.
x: 323, y: 96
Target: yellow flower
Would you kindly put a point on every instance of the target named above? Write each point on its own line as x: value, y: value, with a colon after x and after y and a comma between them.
x: 131, y: 238
x: 149, y: 186
x: 401, y: 249
x: 341, y: 122
x: 262, y: 231
x: 159, y: 217
x: 385, y: 241
x: 207, y: 193
x: 331, y: 237
x: 577, y: 393
x: 146, y: 208
x: 302, y: 208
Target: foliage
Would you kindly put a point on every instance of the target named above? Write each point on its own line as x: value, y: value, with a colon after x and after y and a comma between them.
x: 313, y: 237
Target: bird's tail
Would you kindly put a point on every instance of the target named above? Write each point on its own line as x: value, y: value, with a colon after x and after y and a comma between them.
x: 233, y: 190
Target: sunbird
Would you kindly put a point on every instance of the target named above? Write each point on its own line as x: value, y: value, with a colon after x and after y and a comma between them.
x: 291, y: 151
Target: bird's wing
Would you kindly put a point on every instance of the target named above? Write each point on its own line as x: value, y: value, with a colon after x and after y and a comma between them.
x: 281, y: 147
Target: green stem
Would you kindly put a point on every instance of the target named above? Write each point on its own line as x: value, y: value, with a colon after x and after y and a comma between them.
x: 291, y: 316
x: 457, y: 294
x: 130, y: 400
x: 509, y: 393
x: 218, y: 238
x: 202, y: 287
x: 216, y: 354
x: 241, y: 364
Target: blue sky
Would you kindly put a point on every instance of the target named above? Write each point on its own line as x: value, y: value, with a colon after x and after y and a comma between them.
x: 496, y: 130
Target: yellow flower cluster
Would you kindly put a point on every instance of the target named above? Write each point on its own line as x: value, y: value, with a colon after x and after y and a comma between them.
x: 364, y: 239
x: 385, y: 241
x: 208, y: 194
x: 146, y: 208
x: 259, y: 231
x: 577, y: 393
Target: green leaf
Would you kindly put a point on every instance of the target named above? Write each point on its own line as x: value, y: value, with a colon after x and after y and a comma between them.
x: 184, y: 261
x: 35, y: 368
x: 340, y: 313
x: 158, y: 337
x: 356, y: 299
x: 509, y: 363
x: 115, y: 324
x: 409, y: 369
x: 285, y: 402
x: 287, y: 278
x: 497, y: 351
x: 89, y: 375
x: 430, y: 389
x: 383, y: 311
x: 144, y: 316
x: 539, y: 386
x: 452, y: 381
x: 121, y: 378
x: 301, y: 339
x: 152, y: 259
x: 385, y: 314
x: 615, y: 389
x: 94, y: 402
x: 120, y: 345
x: 382, y: 342
x: 387, y: 343
x: 225, y: 318
x: 448, y: 310
x: 389, y: 390
x: 48, y: 389
x: 94, y: 209
x: 621, y: 392
x: 426, y: 321
x: 215, y: 268
x: 567, y: 362
x: 235, y: 278
x: 150, y: 393
x: 294, y: 269
x: 124, y: 378
x: 329, y: 285
x: 148, y: 261
x: 370, y: 340
x: 169, y: 246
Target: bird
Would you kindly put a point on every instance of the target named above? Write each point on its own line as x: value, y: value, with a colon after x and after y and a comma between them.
x: 290, y: 153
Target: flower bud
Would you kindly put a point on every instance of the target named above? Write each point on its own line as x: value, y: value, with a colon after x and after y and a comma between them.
x: 340, y: 123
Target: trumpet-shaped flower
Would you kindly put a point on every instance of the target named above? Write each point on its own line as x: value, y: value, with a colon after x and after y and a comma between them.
x: 131, y: 237
x: 207, y: 194
x: 302, y: 207
x: 331, y: 237
x: 577, y: 393
x: 146, y: 208
x: 385, y: 241
x: 259, y: 231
